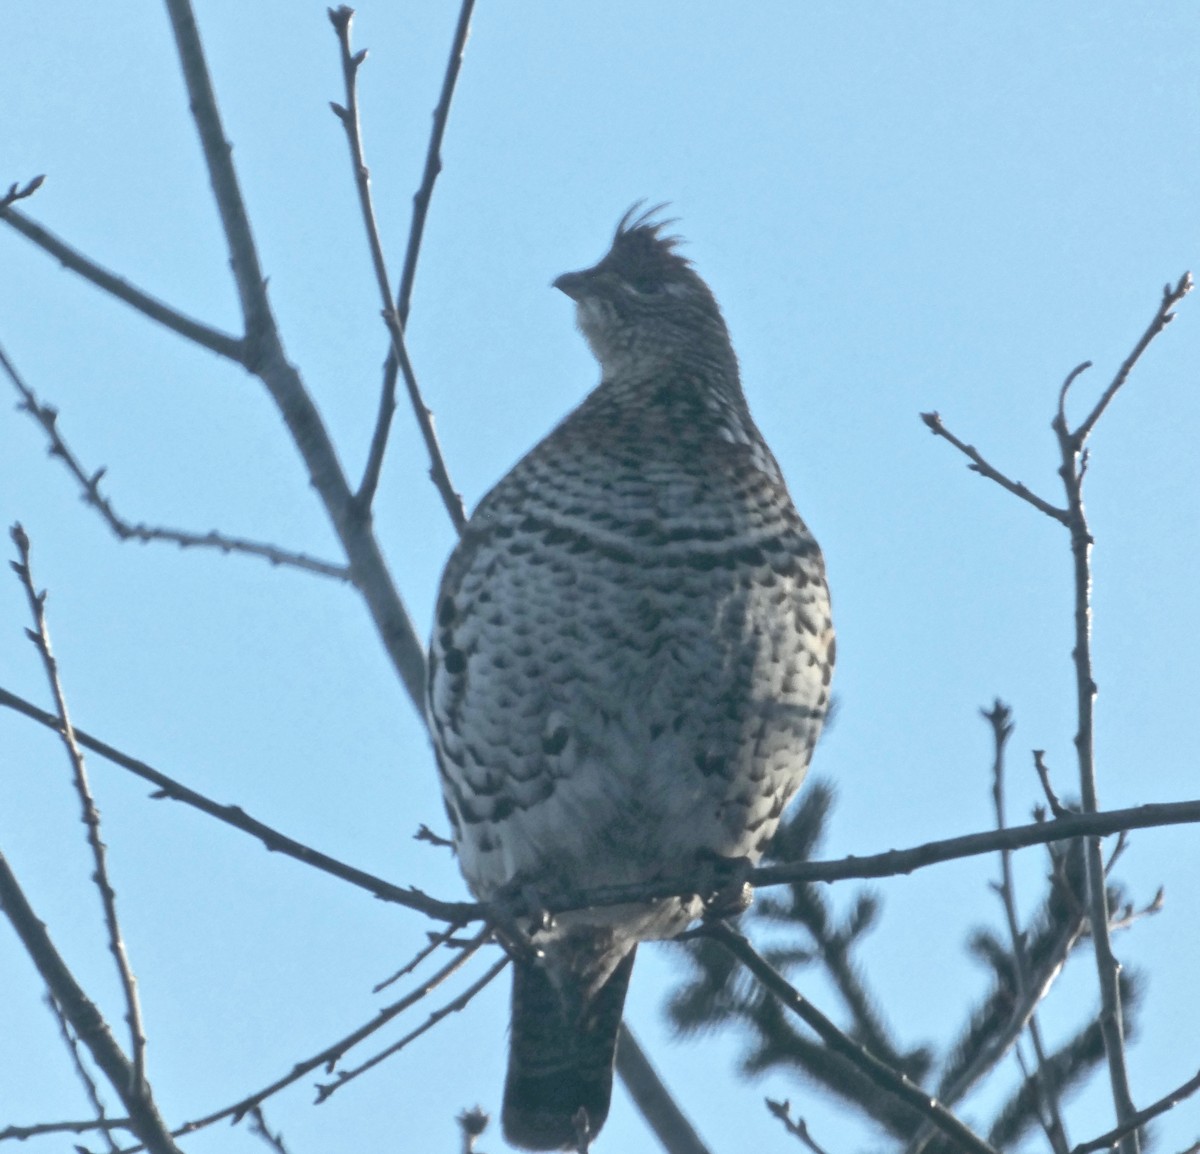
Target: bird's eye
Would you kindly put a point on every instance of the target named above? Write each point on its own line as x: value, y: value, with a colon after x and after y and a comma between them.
x: 646, y: 286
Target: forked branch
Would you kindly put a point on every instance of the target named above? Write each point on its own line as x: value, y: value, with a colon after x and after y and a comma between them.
x: 90, y: 815
x: 348, y: 115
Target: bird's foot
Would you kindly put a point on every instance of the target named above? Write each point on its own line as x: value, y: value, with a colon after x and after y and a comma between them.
x: 724, y: 887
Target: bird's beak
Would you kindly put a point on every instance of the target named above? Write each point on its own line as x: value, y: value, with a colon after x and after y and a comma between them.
x: 571, y: 283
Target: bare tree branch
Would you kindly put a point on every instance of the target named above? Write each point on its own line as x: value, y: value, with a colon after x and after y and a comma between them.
x: 348, y: 115
x: 798, y: 1128
x: 879, y: 1072
x: 85, y: 1018
x: 40, y: 636
x: 325, y: 1089
x: 81, y: 1071
x: 1072, y: 470
x: 21, y: 1133
x: 207, y: 337
x: 999, y: 717
x: 1168, y: 1101
x: 1171, y: 296
x: 21, y: 191
x: 416, y: 232
x: 89, y: 483
x: 933, y: 422
x: 1039, y: 764
x: 436, y: 941
x: 237, y: 817
x: 333, y: 1053
x: 265, y: 358
x: 879, y: 865
x: 653, y: 1099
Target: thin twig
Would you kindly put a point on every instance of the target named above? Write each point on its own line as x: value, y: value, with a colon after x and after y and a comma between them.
x: 333, y: 1053
x: 21, y: 191
x: 235, y: 816
x: 204, y: 335
x: 1109, y: 1140
x: 436, y: 941
x: 1039, y: 763
x: 933, y: 422
x: 325, y: 1089
x: 433, y: 159
x: 1171, y: 296
x: 348, y: 115
x: 90, y: 815
x: 85, y: 1017
x: 89, y: 483
x: 878, y: 1072
x: 416, y: 232
x: 999, y: 717
x: 38, y: 1129
x: 798, y: 1128
x: 102, y: 1122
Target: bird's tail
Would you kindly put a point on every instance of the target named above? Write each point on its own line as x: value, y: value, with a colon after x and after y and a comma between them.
x: 560, y: 1061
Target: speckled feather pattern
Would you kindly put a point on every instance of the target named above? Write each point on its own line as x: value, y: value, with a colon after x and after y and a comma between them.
x: 633, y: 647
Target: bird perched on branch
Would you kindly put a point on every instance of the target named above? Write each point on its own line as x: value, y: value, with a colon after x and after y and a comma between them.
x: 629, y: 668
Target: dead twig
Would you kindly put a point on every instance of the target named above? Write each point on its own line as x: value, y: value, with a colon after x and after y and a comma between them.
x: 348, y: 115
x: 224, y: 345
x: 90, y: 815
x: 85, y: 1017
x: 933, y: 422
x: 89, y: 483
x: 798, y: 1128
x: 21, y: 191
x: 325, y: 1089
x: 81, y: 1072
x: 878, y: 1072
x: 333, y: 1053
x: 233, y: 815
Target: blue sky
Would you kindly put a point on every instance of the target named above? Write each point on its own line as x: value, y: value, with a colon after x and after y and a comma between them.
x: 899, y: 207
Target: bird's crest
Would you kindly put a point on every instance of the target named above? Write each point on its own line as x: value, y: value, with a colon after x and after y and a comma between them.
x: 640, y: 253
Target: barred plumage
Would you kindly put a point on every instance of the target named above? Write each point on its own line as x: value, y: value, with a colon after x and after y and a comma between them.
x: 631, y: 662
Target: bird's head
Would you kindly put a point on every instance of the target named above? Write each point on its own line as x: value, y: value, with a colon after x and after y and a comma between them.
x: 643, y: 306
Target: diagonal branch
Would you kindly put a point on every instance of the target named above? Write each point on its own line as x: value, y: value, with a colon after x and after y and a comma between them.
x: 933, y: 422
x: 1171, y: 296
x: 881, y: 1074
x: 653, y: 1099
x: 85, y: 1018
x: 416, y: 232
x: 1167, y: 1102
x: 433, y: 159
x: 40, y: 636
x: 325, y: 1089
x: 266, y: 359
x: 103, y: 1124
x: 348, y: 115
x: 212, y: 339
x: 333, y: 1053
x: 235, y: 816
x: 89, y: 483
